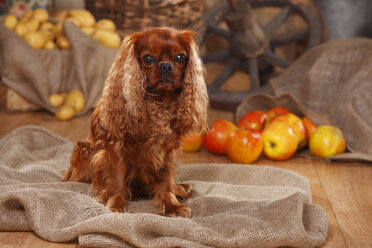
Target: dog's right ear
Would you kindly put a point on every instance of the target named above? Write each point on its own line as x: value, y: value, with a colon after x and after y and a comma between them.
x: 124, y: 92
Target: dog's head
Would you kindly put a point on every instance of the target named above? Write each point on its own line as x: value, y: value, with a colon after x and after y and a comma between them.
x: 162, y: 55
x: 155, y: 61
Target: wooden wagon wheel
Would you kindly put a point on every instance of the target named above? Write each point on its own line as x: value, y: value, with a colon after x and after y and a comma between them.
x: 250, y: 45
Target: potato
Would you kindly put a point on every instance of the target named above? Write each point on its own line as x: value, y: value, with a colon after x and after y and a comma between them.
x: 63, y: 42
x: 107, y: 38
x: 28, y: 14
x: 58, y: 28
x: 10, y: 21
x: 56, y: 100
x: 84, y: 17
x: 49, y: 46
x: 47, y: 34
x: 61, y: 15
x: 65, y: 112
x: 88, y: 30
x: 46, y: 26
x: 105, y: 24
x: 35, y: 39
x: 32, y: 24
x: 41, y: 15
x: 75, y: 98
x: 21, y: 29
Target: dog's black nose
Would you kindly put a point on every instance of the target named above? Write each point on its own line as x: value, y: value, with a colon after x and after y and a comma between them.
x: 166, y: 68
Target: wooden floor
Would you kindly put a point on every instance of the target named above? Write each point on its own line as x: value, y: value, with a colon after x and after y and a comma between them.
x: 344, y: 190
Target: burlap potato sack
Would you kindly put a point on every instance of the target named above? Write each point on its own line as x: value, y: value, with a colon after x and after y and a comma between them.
x: 331, y: 84
x: 233, y: 205
x: 35, y: 74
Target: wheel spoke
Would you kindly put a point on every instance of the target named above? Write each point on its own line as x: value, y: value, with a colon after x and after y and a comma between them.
x: 284, y: 39
x: 219, y: 31
x: 225, y: 74
x: 253, y: 73
x: 221, y: 55
x: 278, y: 20
x: 274, y: 59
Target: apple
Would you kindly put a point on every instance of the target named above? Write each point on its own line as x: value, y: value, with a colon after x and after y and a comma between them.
x: 274, y: 112
x: 280, y: 141
x: 309, y: 127
x: 244, y: 146
x: 192, y: 142
x: 215, y: 139
x: 253, y: 120
x: 296, y: 123
x: 327, y: 141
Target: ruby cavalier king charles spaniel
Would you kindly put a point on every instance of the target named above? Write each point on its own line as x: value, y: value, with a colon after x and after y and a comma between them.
x: 154, y: 94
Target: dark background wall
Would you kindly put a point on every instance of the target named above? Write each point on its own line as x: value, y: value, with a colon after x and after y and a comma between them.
x: 347, y: 18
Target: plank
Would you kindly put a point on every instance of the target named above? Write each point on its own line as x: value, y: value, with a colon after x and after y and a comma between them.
x: 348, y: 189
x: 29, y: 239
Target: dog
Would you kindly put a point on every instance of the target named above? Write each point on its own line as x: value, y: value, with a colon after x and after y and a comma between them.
x: 154, y: 94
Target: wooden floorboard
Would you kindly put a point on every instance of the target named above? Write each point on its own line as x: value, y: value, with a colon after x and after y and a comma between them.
x: 348, y: 187
x: 342, y: 189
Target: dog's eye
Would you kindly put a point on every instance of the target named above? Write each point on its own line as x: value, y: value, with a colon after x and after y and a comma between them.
x: 148, y: 59
x: 180, y: 58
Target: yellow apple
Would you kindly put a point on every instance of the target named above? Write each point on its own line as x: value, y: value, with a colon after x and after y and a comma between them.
x: 280, y: 141
x: 327, y: 141
x: 298, y: 127
x: 192, y: 142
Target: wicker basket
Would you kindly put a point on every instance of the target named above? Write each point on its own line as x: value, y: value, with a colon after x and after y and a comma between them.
x: 131, y: 15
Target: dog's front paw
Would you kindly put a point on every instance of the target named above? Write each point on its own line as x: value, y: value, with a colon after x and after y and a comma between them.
x: 116, y: 203
x: 174, y: 211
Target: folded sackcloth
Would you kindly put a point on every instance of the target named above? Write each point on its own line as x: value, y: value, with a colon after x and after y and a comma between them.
x: 233, y: 205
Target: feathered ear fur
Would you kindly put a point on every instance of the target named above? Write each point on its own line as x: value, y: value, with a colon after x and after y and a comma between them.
x: 122, y: 102
x: 193, y: 101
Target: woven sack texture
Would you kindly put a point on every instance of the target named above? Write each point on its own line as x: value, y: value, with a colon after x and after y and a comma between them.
x: 233, y: 205
x: 35, y: 74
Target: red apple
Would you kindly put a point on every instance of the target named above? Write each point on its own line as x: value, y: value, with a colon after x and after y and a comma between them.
x: 215, y: 139
x: 327, y: 141
x: 274, y: 112
x: 254, y: 120
x: 244, y: 146
x: 296, y: 123
x: 192, y: 142
x: 280, y: 141
x: 310, y: 127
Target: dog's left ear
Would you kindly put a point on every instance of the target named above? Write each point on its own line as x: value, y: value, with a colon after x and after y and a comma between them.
x: 193, y: 102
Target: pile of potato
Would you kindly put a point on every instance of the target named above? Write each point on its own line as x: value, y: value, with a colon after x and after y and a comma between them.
x: 68, y: 103
x: 42, y: 32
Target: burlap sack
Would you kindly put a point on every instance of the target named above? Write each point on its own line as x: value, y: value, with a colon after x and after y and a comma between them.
x: 35, y: 74
x: 233, y: 205
x: 332, y: 84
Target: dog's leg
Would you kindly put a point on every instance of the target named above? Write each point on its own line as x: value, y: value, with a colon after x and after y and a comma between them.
x: 167, y: 202
x: 79, y: 166
x: 165, y: 191
x: 109, y: 183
